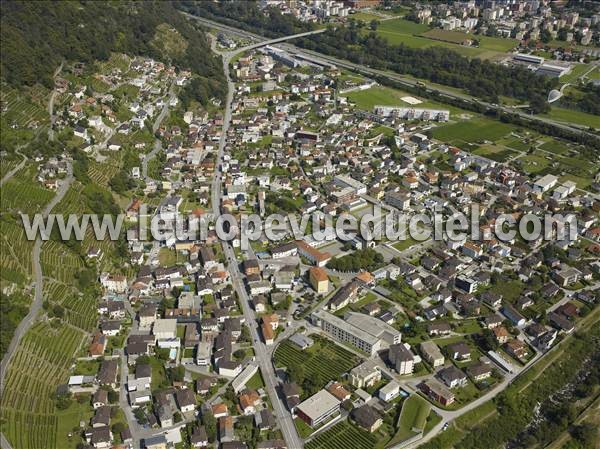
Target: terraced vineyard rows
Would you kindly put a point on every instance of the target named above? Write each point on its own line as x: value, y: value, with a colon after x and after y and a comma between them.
x: 15, y: 252
x: 24, y: 111
x: 102, y: 173
x: 80, y: 311
x: 24, y: 193
x: 39, y: 365
x: 343, y: 436
x: 59, y: 262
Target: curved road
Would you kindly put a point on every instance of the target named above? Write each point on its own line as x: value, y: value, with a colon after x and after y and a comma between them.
x: 19, y: 166
x: 38, y: 298
x: 157, y: 143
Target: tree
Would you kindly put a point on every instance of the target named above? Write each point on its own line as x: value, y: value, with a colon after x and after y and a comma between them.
x: 585, y: 433
x: 58, y: 311
x: 140, y: 415
x: 373, y: 25
x: 545, y: 36
x: 63, y: 400
x: 210, y: 425
x: 539, y: 105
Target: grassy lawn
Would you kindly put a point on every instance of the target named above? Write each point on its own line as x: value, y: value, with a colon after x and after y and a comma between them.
x: 87, y: 367
x: 69, y: 421
x: 413, y: 416
x: 472, y: 131
x: 572, y: 116
x: 432, y: 420
x: 485, y: 42
x: 256, y: 382
x: 416, y: 35
x: 304, y: 430
x: 405, y: 244
x: 364, y: 16
x: 576, y: 72
x: 158, y: 373
x: 167, y: 257
x: 555, y: 146
x: 498, y: 153
x: 532, y: 163
x: 510, y: 290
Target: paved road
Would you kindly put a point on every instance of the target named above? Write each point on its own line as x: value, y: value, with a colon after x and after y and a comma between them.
x: 51, y: 106
x: 4, y: 444
x: 157, y: 144
x: 19, y: 166
x: 261, y: 352
x: 38, y: 298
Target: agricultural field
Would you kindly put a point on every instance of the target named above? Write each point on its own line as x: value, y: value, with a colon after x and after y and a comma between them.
x: 572, y: 116
x: 25, y: 109
x: 15, y: 252
x: 80, y: 311
x: 324, y: 359
x: 416, y: 35
x: 40, y: 363
x: 24, y: 193
x: 475, y: 130
x: 485, y: 42
x: 343, y: 436
x: 60, y: 262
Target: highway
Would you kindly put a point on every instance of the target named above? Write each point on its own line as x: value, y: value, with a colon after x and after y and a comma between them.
x: 262, y: 354
x: 402, y: 80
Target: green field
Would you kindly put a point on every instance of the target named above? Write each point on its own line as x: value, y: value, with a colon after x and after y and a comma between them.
x: 324, y: 360
x: 498, y: 153
x: 411, y: 34
x: 343, y: 436
x: 572, y: 116
x: 485, y: 42
x: 472, y: 131
x: 413, y: 418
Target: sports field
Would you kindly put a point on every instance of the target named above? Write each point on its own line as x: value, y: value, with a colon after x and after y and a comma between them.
x: 387, y: 96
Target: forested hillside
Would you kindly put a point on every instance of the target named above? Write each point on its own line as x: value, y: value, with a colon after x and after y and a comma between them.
x: 37, y: 36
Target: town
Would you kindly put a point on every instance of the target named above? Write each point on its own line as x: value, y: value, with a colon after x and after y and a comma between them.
x: 315, y: 343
